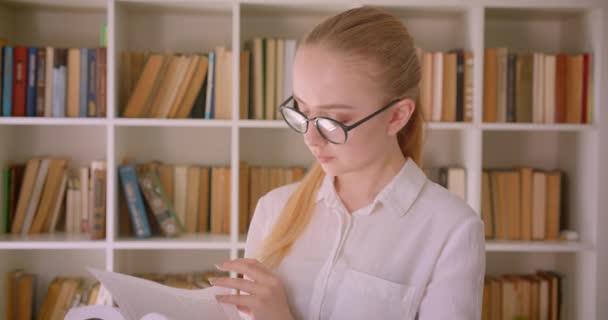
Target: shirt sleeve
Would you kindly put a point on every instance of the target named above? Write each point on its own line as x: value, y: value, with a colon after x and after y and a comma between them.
x: 456, y: 287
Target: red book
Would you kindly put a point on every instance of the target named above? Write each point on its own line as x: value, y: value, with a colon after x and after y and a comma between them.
x: 19, y: 81
x: 585, y: 86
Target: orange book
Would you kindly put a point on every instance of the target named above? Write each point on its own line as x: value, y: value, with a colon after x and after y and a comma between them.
x: 490, y: 78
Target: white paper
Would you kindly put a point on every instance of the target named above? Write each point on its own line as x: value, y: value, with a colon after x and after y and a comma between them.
x: 138, y: 297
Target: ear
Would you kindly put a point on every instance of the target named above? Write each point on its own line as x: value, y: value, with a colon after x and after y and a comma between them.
x: 401, y: 113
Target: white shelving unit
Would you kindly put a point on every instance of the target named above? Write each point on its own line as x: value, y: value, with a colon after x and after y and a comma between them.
x: 200, y: 25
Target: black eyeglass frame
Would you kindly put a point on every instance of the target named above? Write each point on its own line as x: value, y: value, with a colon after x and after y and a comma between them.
x: 345, y: 128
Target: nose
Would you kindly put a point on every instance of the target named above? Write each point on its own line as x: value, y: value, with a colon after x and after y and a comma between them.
x: 313, y: 137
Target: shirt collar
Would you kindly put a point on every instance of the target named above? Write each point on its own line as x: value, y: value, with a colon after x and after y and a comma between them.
x: 397, y: 196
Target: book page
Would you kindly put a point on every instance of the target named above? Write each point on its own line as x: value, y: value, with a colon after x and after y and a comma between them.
x: 137, y: 297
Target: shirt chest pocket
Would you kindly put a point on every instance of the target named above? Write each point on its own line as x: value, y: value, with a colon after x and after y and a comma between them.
x: 364, y: 296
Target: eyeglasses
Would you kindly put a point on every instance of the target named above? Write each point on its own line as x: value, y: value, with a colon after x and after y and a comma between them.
x: 332, y: 130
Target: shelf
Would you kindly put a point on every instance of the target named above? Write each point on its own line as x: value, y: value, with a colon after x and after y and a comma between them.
x: 49, y: 241
x: 448, y: 125
x: 536, y: 246
x: 39, y: 121
x: 262, y: 124
x: 141, y: 122
x: 536, y: 127
x: 189, y: 241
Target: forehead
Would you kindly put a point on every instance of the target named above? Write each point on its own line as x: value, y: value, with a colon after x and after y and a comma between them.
x: 322, y: 76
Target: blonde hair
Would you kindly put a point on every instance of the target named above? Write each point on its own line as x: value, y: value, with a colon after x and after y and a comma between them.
x: 376, y: 37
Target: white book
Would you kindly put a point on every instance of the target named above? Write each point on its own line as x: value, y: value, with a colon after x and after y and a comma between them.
x: 437, y: 86
x: 538, y: 89
x: 36, y: 192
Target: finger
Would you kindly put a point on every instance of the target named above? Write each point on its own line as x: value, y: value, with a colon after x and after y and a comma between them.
x: 249, y: 267
x: 237, y: 283
x: 244, y: 309
x: 244, y: 301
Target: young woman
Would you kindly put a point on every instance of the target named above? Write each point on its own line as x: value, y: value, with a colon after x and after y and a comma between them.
x: 365, y: 235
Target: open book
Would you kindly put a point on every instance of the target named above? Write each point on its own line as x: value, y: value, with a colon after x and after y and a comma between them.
x: 139, y: 298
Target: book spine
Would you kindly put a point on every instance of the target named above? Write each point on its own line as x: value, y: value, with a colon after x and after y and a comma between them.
x: 92, y: 83
x: 160, y: 204
x: 32, y: 59
x: 99, y: 202
x: 460, y: 86
x: 135, y: 203
x: 7, y: 89
x: 40, y: 82
x: 20, y: 81
x: 84, y: 76
x: 6, y: 179
x: 511, y: 61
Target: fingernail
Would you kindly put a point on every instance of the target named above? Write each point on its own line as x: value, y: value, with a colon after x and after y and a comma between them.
x: 212, y: 280
x: 220, y: 266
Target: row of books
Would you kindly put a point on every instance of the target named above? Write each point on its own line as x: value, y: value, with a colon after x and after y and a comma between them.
x: 446, y: 87
x: 45, y: 195
x: 270, y: 80
x: 53, y: 82
x: 522, y: 203
x: 65, y: 292
x: 199, y: 85
x: 177, y: 85
x: 523, y: 296
x: 165, y: 199
x: 537, y: 87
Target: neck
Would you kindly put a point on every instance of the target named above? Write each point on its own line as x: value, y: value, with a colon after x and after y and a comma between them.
x: 359, y: 188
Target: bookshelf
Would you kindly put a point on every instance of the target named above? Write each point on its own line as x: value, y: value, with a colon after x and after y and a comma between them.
x: 200, y: 25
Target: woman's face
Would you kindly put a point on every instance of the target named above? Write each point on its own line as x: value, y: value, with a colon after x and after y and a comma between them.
x: 332, y: 84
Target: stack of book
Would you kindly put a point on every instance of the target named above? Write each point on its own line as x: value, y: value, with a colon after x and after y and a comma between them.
x: 446, y: 87
x: 523, y: 296
x: 45, y: 196
x: 169, y: 200
x: 271, y: 69
x: 52, y: 82
x: 155, y: 85
x: 522, y: 203
x: 537, y: 87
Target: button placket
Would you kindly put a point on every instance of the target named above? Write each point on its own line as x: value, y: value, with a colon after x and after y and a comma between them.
x: 343, y: 232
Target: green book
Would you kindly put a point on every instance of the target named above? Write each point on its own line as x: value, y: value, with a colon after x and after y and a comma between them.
x: 5, y: 199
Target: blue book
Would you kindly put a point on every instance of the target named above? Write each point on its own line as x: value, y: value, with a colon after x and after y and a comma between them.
x: 84, y: 80
x: 210, y: 108
x: 92, y: 83
x: 7, y: 89
x: 30, y: 100
x: 135, y: 202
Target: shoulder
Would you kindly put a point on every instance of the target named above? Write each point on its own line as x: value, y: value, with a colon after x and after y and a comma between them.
x: 445, y: 208
x: 271, y: 204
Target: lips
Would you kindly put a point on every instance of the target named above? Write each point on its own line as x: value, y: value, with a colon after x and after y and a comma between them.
x: 324, y: 159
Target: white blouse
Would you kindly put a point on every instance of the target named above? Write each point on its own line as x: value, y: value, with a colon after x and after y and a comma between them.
x: 416, y: 252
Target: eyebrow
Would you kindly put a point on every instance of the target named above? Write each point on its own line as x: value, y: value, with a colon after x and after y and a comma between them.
x: 327, y: 106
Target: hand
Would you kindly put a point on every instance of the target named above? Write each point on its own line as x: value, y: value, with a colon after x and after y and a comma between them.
x: 266, y: 299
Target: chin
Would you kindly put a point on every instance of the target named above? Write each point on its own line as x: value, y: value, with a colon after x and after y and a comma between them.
x: 333, y: 168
